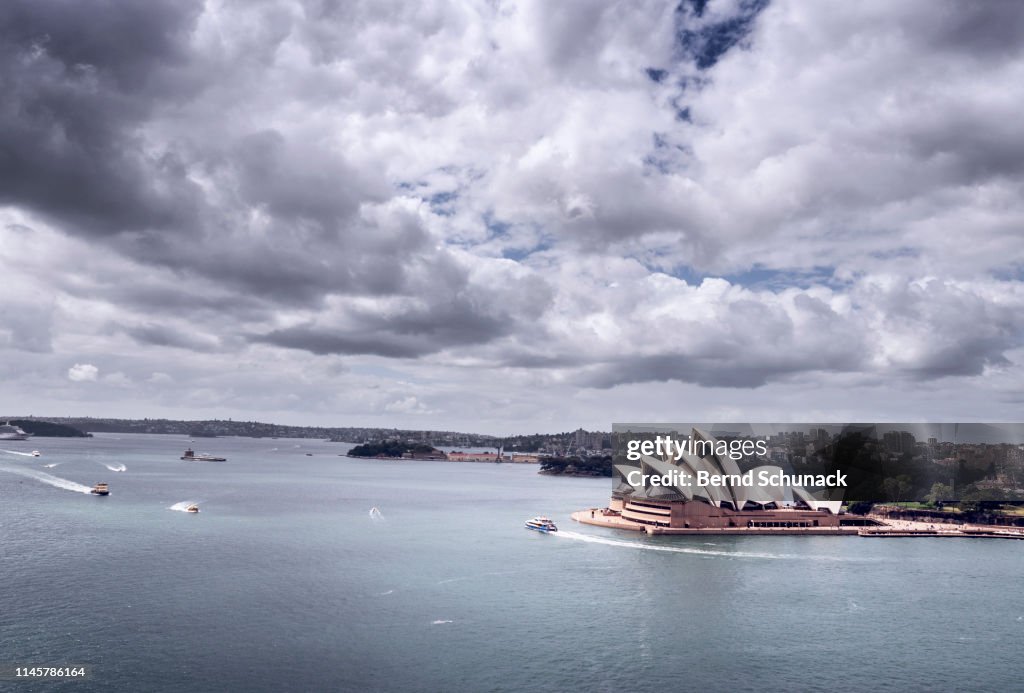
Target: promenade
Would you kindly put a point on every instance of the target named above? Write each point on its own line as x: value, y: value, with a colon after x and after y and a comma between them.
x: 602, y: 517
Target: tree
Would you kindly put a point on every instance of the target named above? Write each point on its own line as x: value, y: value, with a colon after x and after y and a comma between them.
x: 896, y: 487
x: 940, y: 493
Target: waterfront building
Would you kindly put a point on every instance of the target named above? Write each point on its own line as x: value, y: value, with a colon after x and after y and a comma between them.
x: 640, y: 497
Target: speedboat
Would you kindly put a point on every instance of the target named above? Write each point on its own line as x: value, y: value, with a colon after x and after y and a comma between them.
x: 541, y: 524
x: 35, y: 453
x: 191, y: 456
x: 100, y: 490
x: 192, y: 508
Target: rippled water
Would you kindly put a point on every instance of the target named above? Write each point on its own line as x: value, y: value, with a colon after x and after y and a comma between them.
x: 289, y: 580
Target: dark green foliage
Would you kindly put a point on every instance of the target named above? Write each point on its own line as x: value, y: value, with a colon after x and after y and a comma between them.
x: 593, y: 465
x: 390, y: 448
x: 46, y: 429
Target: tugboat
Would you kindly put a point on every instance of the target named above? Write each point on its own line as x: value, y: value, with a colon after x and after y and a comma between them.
x: 192, y: 508
x: 191, y: 456
x: 541, y: 524
x: 100, y: 490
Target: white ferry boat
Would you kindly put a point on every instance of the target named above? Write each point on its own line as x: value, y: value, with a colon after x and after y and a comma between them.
x: 9, y: 431
x: 541, y: 524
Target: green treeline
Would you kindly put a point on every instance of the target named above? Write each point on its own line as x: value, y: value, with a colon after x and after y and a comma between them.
x: 46, y: 429
x: 592, y: 465
x: 390, y: 448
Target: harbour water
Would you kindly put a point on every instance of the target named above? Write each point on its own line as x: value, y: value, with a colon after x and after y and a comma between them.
x: 289, y: 580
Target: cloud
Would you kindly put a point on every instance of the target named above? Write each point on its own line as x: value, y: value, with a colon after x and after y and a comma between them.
x: 83, y: 372
x: 525, y: 208
x: 407, y: 405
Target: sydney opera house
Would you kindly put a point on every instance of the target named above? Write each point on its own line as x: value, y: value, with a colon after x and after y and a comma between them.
x: 642, y: 500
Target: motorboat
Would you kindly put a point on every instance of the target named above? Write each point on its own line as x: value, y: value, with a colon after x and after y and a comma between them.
x: 35, y: 453
x: 541, y: 524
x: 100, y: 490
x: 191, y: 456
x: 192, y: 508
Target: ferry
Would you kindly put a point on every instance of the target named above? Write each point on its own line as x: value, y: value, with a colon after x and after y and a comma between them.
x: 191, y: 456
x: 9, y: 431
x: 192, y: 508
x: 541, y: 524
x: 100, y: 490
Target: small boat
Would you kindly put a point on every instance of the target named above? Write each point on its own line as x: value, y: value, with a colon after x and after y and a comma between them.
x: 191, y: 456
x: 541, y: 524
x: 192, y: 508
x: 35, y: 453
x: 100, y: 490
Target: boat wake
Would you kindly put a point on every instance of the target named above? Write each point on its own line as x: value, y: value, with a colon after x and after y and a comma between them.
x: 375, y: 513
x: 115, y: 467
x: 51, y: 465
x: 440, y: 621
x: 682, y: 549
x: 183, y: 505
x: 50, y: 479
x: 15, y: 452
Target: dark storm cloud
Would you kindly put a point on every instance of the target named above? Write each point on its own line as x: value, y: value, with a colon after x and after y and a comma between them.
x: 126, y: 41
x: 454, y: 317
x: 317, y: 341
x: 685, y: 368
x: 301, y: 184
x: 986, y: 30
x: 78, y: 79
x: 182, y: 337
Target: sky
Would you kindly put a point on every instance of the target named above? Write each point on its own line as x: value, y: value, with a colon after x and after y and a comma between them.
x: 509, y: 217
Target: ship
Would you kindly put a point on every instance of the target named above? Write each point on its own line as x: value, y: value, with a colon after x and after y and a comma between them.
x: 100, y: 489
x: 11, y: 432
x: 541, y: 524
x: 191, y: 456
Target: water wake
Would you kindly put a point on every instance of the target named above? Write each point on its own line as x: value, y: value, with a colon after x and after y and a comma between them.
x: 440, y: 621
x: 51, y: 465
x: 115, y: 467
x: 15, y: 452
x: 50, y: 479
x: 682, y: 549
x: 183, y: 505
x: 375, y: 513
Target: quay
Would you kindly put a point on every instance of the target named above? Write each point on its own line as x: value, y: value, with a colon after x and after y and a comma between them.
x: 869, y: 526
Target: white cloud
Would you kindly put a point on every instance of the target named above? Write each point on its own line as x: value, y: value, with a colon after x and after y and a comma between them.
x: 407, y: 405
x: 83, y: 372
